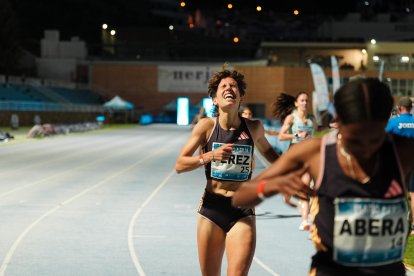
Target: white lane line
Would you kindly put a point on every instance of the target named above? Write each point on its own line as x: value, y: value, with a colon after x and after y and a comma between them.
x: 109, y: 155
x: 266, y: 164
x: 149, y: 236
x: 265, y: 267
x: 61, y: 153
x: 16, y: 243
x: 132, y: 251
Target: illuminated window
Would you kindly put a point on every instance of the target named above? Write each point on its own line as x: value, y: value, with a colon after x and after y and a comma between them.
x: 405, y: 59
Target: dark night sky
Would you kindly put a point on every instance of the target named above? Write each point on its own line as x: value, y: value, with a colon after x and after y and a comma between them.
x: 83, y: 18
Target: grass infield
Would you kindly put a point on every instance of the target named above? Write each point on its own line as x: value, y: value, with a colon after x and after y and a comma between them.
x: 409, y: 252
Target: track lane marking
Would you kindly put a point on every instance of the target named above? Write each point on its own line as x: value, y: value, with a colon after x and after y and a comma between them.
x: 9, y: 254
x: 132, y: 252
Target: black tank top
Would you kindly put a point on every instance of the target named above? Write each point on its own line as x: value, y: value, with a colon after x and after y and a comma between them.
x: 239, y: 165
x: 355, y: 224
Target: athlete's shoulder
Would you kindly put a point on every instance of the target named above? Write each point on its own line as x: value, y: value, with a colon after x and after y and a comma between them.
x: 204, y: 125
x: 207, y: 122
x: 290, y: 117
x: 254, y: 124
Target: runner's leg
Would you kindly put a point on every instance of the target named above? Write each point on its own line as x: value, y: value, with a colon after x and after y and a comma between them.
x: 240, y: 246
x: 211, y: 241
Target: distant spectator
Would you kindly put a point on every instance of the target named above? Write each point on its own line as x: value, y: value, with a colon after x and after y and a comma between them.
x: 201, y: 114
x: 403, y: 124
x: 246, y: 112
x: 37, y: 120
x: 14, y: 121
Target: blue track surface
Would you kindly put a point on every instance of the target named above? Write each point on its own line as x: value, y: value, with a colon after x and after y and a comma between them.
x: 110, y: 203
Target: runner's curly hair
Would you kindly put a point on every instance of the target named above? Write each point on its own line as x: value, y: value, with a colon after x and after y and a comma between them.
x: 214, y: 81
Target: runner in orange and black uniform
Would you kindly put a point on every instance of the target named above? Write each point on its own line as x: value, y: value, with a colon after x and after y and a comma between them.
x: 360, y: 210
x: 359, y: 228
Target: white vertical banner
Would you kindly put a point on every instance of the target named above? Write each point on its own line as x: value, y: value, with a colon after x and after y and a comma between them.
x: 381, y: 70
x: 183, y: 110
x: 336, y: 83
x: 321, y: 86
x: 315, y: 108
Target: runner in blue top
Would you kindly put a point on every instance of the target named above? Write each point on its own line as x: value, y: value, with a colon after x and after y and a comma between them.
x: 403, y: 124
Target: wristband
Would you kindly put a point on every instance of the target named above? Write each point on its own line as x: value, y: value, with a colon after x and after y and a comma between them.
x: 296, y: 135
x: 201, y: 159
x: 260, y: 190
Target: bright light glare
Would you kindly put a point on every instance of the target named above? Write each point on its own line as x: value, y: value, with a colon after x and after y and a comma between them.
x: 183, y: 106
x: 296, y: 12
x: 113, y: 32
x: 259, y: 8
x: 171, y: 27
x: 373, y: 41
x: 235, y: 39
x: 364, y: 51
x: 182, y: 4
x: 375, y: 58
x: 405, y: 59
x: 104, y: 26
x: 208, y: 106
x: 230, y: 6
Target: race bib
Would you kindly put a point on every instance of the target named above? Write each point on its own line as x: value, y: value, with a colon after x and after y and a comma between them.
x: 369, y: 232
x: 237, y: 168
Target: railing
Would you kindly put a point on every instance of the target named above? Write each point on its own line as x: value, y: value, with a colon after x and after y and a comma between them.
x: 41, y: 82
x: 43, y: 106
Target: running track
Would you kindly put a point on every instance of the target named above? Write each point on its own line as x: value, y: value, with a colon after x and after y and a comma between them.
x: 110, y: 203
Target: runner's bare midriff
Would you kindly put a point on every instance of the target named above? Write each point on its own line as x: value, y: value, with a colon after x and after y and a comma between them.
x: 224, y: 188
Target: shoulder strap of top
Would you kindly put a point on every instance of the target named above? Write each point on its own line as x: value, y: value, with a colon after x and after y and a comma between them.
x: 327, y: 139
x: 215, y: 119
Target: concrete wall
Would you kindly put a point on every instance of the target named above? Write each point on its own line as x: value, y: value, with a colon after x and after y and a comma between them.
x: 137, y: 83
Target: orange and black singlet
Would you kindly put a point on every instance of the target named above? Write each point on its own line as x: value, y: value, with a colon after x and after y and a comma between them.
x: 359, y: 229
